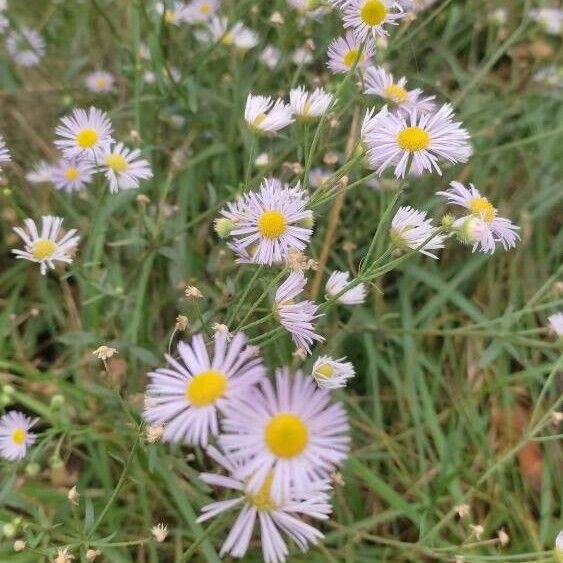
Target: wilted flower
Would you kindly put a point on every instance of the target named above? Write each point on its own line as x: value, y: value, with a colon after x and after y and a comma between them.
x: 160, y: 532
x: 104, y: 352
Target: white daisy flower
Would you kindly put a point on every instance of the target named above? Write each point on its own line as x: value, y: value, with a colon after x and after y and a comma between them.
x: 551, y: 19
x: 369, y: 123
x: 274, y: 517
x: 270, y: 221
x: 302, y: 56
x: 188, y: 396
x: 410, y: 228
x: 83, y: 133
x: 297, y: 317
x: 368, y: 17
x: 309, y: 105
x: 175, y: 15
x: 419, y: 138
x: 481, y: 228
x: 292, y: 435
x: 337, y: 282
x: 15, y: 437
x: 4, y: 152
x: 123, y: 167
x: 319, y: 176
x: 332, y: 374
x: 72, y: 174
x: 343, y: 52
x: 266, y: 116
x: 43, y: 247
x: 556, y: 323
x: 270, y: 56
x: 26, y: 46
x: 236, y: 35
x: 201, y: 10
x: 41, y: 173
x: 559, y: 543
x: 380, y: 83
x: 499, y: 16
x: 99, y: 81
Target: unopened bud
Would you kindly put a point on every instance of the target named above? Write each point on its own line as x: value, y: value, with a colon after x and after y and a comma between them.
x: 223, y: 227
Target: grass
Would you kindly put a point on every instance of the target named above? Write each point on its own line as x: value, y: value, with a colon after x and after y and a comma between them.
x: 457, y: 376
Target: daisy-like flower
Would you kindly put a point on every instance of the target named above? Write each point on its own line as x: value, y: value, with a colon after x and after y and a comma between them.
x: 556, y: 323
x: 4, y: 152
x: 273, y: 517
x: 559, y: 545
x: 236, y: 35
x: 337, y: 282
x: 308, y: 8
x: 45, y: 247
x: 175, y: 15
x: 188, y: 396
x: 25, y: 46
x: 83, y: 133
x: 297, y: 317
x: 395, y: 139
x: 266, y: 116
x: 41, y: 173
x: 270, y: 221
x: 343, y: 52
x: 551, y: 19
x: 123, y: 167
x: 368, y: 17
x: 201, y: 10
x: 309, y: 105
x: 72, y: 174
x: 319, y: 176
x: 302, y: 56
x: 291, y: 435
x: 410, y: 228
x: 418, y: 5
x: 99, y: 81
x: 270, y: 56
x: 332, y: 374
x: 15, y: 437
x: 380, y: 83
x: 481, y: 228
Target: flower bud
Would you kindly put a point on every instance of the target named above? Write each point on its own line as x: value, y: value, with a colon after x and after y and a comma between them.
x: 223, y: 227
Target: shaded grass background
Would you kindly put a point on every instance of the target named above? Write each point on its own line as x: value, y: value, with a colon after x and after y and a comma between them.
x: 451, y: 355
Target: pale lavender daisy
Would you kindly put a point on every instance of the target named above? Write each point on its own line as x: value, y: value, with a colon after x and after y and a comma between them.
x: 173, y: 15
x: 421, y: 139
x: 41, y: 173
x: 369, y: 17
x: 99, y: 81
x: 344, y: 52
x: 26, y: 46
x: 297, y: 317
x: 302, y: 56
x: 264, y: 115
x: 4, y: 152
x: 551, y: 19
x: 319, y: 176
x: 83, y: 133
x: 72, y: 174
x: 201, y: 10
x: 45, y: 247
x: 123, y: 167
x: 15, y: 437
x: 556, y: 324
x: 236, y: 35
x: 332, y: 374
x: 410, y: 228
x: 337, y: 281
x: 268, y: 222
x: 270, y: 56
x: 292, y: 434
x: 381, y: 83
x: 274, y: 517
x: 188, y: 396
x: 482, y: 228
x: 309, y: 105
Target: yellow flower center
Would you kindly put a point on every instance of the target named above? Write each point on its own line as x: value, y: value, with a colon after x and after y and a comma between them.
x: 18, y: 436
x: 262, y: 500
x: 413, y: 139
x: 481, y: 207
x: 169, y: 16
x: 206, y: 387
x: 258, y: 120
x: 228, y: 38
x: 272, y: 224
x: 326, y: 371
x: 351, y: 57
x: 87, y: 138
x: 373, y: 12
x: 396, y: 93
x: 117, y: 162
x: 205, y: 9
x: 101, y: 83
x: 71, y: 173
x: 43, y: 248
x: 286, y: 435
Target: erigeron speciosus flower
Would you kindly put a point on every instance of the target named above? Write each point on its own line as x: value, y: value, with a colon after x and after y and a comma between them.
x: 369, y: 18
x: 309, y: 105
x: 302, y: 56
x: 25, y: 46
x: 482, y: 227
x: 236, y: 35
x: 264, y: 115
x: 319, y: 176
x: 332, y: 374
x: 45, y: 247
x: 344, y: 52
x: 15, y: 437
x: 72, y: 174
x: 99, y: 81
x: 199, y: 11
x: 410, y: 228
x: 4, y: 152
x: 274, y: 518
x: 173, y: 15
x: 551, y: 19
x: 270, y: 56
x: 558, y: 551
x: 337, y: 282
x: 41, y: 173
x: 556, y: 323
x: 291, y: 433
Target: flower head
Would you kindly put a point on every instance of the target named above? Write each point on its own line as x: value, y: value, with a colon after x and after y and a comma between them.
x: 423, y: 139
x: 344, y: 52
x: 270, y: 56
x: 266, y: 116
x: 297, y: 317
x: 187, y: 396
x: 410, y: 228
x: 332, y: 374
x: 319, y: 176
x: 25, y: 46
x: 309, y: 105
x: 41, y: 173
x: 556, y: 323
x: 337, y: 282
x: 4, y: 152
x: 72, y: 174
x: 551, y: 19
x: 15, y: 437
x: 236, y: 35
x: 291, y: 434
x: 99, y: 81
x: 173, y: 15
x: 83, y: 133
x: 369, y: 17
x: 201, y: 10
x: 160, y: 532
x: 43, y: 247
x: 481, y: 228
